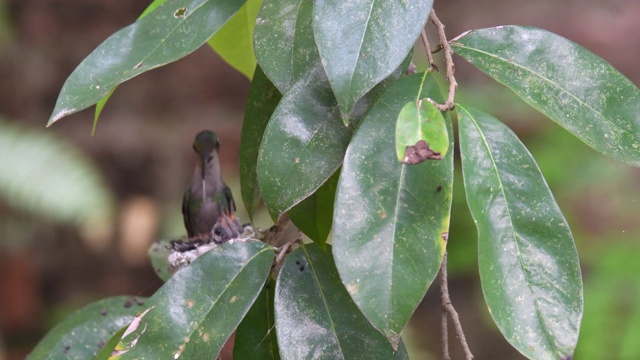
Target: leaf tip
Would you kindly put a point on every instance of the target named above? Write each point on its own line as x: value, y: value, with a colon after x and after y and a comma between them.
x: 57, y: 115
x: 393, y: 338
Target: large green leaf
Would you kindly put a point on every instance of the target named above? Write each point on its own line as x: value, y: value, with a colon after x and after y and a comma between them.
x: 304, y: 143
x: 528, y: 261
x: 198, y: 308
x: 314, y: 215
x: 390, y: 220
x: 566, y: 82
x: 168, y: 33
x: 316, y: 318
x: 263, y: 99
x: 82, y: 335
x: 234, y: 41
x: 103, y: 101
x: 256, y: 335
x: 44, y: 176
x: 305, y: 140
x: 361, y: 42
x: 283, y: 41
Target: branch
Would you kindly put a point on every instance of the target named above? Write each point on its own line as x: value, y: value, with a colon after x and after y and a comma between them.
x: 427, y: 49
x: 286, y: 248
x: 447, y: 307
x: 275, y: 232
x: 449, y: 104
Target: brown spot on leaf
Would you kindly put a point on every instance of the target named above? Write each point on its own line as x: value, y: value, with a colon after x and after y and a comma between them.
x: 415, y: 154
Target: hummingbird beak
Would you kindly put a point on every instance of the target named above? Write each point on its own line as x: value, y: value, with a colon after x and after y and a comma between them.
x: 203, y: 162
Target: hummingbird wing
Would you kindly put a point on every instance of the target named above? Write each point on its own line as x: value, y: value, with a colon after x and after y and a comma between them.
x: 185, y: 213
x: 230, y: 204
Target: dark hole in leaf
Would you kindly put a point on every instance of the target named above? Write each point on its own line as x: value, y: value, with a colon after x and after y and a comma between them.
x: 301, y: 267
x: 66, y: 349
x: 127, y: 304
x: 415, y: 154
x: 439, y: 188
x: 180, y: 12
x: 138, y: 301
x: 103, y: 312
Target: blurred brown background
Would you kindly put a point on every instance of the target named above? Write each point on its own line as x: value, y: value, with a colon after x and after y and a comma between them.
x: 142, y: 148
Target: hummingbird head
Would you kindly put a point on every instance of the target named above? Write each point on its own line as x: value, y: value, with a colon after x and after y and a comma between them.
x: 206, y: 145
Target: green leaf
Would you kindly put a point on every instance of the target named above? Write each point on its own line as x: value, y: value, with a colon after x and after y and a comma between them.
x: 42, y: 175
x: 564, y: 81
x: 263, y: 99
x: 82, y: 334
x: 303, y: 144
x: 234, y: 41
x: 421, y: 120
x: 305, y: 140
x: 158, y: 254
x: 314, y: 215
x: 110, y: 346
x: 528, y: 261
x: 103, y: 101
x: 173, y: 30
x: 390, y: 220
x: 361, y: 42
x: 256, y: 335
x: 316, y: 318
x: 196, y: 311
x: 154, y: 5
x: 283, y: 41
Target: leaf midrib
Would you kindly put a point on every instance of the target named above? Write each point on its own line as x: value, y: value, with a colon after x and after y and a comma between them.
x: 515, y: 234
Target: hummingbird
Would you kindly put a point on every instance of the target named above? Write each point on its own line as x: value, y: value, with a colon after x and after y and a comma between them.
x: 208, y: 198
x: 225, y: 229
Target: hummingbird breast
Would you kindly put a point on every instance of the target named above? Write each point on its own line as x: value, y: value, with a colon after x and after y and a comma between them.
x: 207, y: 216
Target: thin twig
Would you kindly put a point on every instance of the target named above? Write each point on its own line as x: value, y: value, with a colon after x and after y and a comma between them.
x: 449, y: 104
x: 284, y: 250
x: 447, y: 307
x: 427, y: 49
x: 444, y: 289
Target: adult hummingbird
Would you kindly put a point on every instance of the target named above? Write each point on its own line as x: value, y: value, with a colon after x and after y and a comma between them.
x: 208, y: 198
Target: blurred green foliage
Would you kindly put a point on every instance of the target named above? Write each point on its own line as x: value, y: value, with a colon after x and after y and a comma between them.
x: 46, y: 178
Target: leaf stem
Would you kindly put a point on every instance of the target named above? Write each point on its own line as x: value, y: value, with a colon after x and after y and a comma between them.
x: 447, y: 308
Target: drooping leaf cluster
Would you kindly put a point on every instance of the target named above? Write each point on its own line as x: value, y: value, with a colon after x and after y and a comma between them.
x: 329, y: 113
